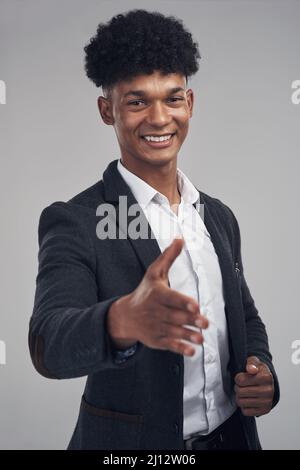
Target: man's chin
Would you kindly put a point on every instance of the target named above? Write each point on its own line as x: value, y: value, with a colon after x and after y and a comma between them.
x: 159, y: 160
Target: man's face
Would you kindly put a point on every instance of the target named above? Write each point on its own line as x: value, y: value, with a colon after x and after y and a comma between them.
x: 149, y: 105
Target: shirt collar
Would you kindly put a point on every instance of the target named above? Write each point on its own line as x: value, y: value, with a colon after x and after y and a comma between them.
x: 187, y: 190
x: 144, y: 193
x: 141, y: 190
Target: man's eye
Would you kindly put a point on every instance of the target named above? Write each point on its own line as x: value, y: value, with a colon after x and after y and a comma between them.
x: 177, y: 99
x: 136, y: 101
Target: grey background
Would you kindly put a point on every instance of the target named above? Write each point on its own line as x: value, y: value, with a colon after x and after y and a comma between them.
x: 243, y: 147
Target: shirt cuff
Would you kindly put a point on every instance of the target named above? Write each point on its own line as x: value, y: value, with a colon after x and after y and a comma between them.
x: 121, y: 355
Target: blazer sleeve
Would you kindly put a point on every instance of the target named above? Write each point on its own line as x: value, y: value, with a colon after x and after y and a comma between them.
x: 257, y: 339
x: 68, y: 337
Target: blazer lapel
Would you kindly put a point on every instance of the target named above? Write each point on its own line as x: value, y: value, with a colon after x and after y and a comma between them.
x: 147, y: 250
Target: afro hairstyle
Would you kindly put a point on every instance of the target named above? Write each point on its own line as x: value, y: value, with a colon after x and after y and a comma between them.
x: 139, y: 42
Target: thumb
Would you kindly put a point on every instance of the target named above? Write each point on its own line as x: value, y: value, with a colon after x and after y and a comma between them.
x: 252, y: 366
x: 162, y: 264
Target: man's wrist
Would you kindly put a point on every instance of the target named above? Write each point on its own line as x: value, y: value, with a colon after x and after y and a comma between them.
x: 116, y: 328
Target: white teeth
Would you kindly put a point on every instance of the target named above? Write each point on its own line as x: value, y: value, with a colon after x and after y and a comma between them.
x: 157, y: 139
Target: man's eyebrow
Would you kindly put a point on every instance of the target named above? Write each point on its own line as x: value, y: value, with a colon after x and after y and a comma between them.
x: 170, y: 91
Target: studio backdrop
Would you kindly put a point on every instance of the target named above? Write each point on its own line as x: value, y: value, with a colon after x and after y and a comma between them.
x: 242, y: 147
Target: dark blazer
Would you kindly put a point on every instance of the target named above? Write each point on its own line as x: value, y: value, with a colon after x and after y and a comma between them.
x: 137, y: 404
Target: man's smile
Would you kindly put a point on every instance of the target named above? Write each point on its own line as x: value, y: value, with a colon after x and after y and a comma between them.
x: 158, y: 141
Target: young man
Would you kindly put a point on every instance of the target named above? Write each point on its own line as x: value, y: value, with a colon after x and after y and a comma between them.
x: 127, y: 306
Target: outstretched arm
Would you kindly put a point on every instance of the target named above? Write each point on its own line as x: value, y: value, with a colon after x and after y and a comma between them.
x: 68, y: 335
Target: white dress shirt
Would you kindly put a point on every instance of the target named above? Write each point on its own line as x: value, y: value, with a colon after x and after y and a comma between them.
x: 208, y: 399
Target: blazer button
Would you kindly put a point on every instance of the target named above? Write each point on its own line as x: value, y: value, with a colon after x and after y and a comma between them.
x: 176, y: 369
x: 175, y: 427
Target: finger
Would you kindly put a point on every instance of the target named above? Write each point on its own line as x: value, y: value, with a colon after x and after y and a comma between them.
x: 253, y: 402
x: 243, y: 379
x: 160, y: 267
x: 176, y: 346
x: 178, y: 332
x: 253, y: 392
x: 246, y: 392
x: 180, y: 317
x: 253, y: 411
x: 253, y: 365
x: 174, y: 299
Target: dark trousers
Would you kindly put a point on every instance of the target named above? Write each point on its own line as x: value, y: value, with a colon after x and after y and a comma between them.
x: 229, y: 436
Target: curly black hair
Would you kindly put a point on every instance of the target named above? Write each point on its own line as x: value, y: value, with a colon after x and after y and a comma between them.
x: 139, y: 42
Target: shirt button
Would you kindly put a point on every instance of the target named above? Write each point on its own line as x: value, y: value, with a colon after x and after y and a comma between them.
x: 211, y: 403
x: 209, y: 358
x: 213, y: 358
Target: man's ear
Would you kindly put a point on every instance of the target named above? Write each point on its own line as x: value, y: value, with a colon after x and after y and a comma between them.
x: 105, y: 110
x: 190, y: 100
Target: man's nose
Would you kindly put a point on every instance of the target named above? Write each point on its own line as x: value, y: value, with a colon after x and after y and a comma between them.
x: 158, y: 115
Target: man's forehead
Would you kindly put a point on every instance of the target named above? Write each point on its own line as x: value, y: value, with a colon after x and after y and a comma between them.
x: 147, y: 84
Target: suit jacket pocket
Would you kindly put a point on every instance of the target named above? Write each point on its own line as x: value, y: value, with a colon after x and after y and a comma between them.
x: 105, y: 429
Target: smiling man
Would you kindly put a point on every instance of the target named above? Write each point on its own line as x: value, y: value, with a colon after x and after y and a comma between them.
x: 164, y: 326
x: 150, y: 115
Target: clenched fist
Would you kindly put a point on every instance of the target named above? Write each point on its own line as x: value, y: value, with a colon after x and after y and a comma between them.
x: 254, y: 388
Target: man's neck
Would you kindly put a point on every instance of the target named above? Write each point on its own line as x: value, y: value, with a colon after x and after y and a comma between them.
x: 161, y: 178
